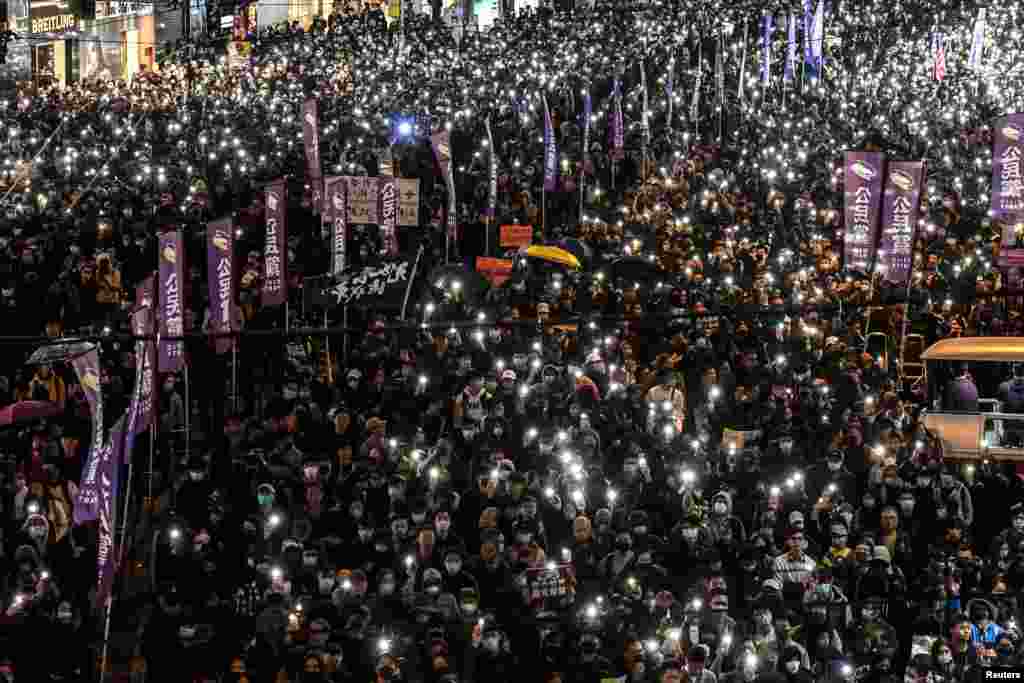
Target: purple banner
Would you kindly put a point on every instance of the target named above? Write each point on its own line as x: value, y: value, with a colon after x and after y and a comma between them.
x: 171, y: 317
x: 336, y: 214
x: 311, y: 137
x: 767, y: 28
x: 140, y: 412
x: 492, y: 172
x: 275, y: 247
x: 388, y: 185
x: 618, y: 132
x: 443, y: 152
x: 862, y: 201
x: 900, y: 207
x: 109, y: 466
x: 87, y: 369
x: 550, y: 152
x: 1007, y: 181
x: 220, y: 276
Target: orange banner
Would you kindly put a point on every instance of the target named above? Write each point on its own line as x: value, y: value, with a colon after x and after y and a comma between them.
x: 516, y: 235
x: 496, y: 270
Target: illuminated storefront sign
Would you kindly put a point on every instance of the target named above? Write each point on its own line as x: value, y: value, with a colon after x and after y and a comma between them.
x: 54, y: 23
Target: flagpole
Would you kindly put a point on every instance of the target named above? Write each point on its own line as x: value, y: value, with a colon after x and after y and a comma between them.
x: 408, y: 287
x: 188, y: 414
x: 544, y: 210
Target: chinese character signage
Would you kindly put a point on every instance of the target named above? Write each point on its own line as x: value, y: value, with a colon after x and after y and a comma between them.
x: 171, y: 301
x: 220, y: 275
x: 408, y: 202
x: 311, y: 136
x: 516, y: 235
x: 381, y: 286
x: 362, y: 200
x: 389, y: 215
x: 495, y: 270
x: 899, y: 218
x: 140, y: 412
x: 275, y: 247
x: 336, y: 216
x: 862, y: 201
x: 1007, y: 183
x: 441, y: 143
x: 87, y: 370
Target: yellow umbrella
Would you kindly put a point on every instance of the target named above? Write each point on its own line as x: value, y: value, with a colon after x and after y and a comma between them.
x: 554, y: 255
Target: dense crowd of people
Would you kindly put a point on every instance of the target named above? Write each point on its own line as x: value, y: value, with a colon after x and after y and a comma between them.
x: 680, y: 460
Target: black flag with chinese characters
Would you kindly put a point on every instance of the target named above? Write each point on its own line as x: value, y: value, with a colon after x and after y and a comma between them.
x: 381, y: 285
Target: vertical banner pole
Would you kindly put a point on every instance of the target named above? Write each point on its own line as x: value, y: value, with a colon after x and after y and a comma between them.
x: 234, y: 377
x: 344, y: 338
x: 327, y: 344
x: 188, y: 416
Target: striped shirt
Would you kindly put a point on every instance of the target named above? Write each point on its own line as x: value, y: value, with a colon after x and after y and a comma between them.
x: 799, y: 571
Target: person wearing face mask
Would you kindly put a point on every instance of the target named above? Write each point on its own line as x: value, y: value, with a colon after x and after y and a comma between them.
x: 794, y: 567
x: 456, y: 578
x: 493, y: 575
x: 493, y: 662
x: 793, y: 671
x: 724, y: 526
x: 1014, y: 534
x: 193, y: 497
x: 71, y: 660
x: 444, y: 539
x: 872, y: 634
x: 832, y: 477
x: 620, y: 560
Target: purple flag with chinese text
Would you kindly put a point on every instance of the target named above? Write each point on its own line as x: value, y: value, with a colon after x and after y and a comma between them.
x: 900, y: 207
x: 87, y: 369
x: 220, y: 275
x: 140, y: 412
x: 1007, y: 182
x: 171, y: 300
x: 336, y: 215
x: 862, y: 201
x: 550, y: 152
x: 109, y: 467
x: 311, y: 137
x: 275, y: 247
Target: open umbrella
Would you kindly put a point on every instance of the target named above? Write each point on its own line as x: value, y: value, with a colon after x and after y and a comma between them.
x: 23, y: 411
x: 553, y: 255
x: 581, y: 251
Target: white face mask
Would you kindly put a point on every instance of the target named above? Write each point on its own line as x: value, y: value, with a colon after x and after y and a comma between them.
x: 834, y: 465
x: 945, y: 659
x: 793, y: 666
x: 720, y: 508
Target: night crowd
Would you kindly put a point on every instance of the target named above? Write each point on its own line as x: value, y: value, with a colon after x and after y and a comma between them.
x: 686, y: 459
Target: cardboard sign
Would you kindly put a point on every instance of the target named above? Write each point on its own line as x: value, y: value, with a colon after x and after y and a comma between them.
x: 496, y: 270
x: 409, y: 202
x: 516, y: 235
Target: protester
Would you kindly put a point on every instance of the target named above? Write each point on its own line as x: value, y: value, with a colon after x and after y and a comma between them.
x: 696, y: 456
